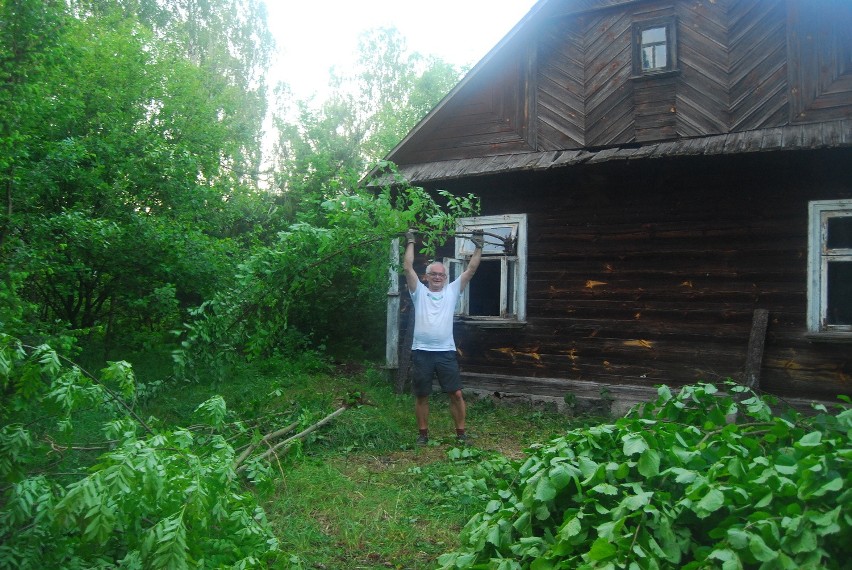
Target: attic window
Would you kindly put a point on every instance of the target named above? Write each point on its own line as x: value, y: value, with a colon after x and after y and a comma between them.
x: 654, y: 47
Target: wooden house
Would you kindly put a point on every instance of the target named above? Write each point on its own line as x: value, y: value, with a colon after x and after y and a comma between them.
x: 677, y: 177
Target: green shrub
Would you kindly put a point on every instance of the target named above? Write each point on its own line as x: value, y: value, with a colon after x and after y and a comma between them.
x: 155, y: 497
x: 694, y: 480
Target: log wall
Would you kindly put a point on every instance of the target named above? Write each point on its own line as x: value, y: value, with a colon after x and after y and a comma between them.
x: 650, y: 272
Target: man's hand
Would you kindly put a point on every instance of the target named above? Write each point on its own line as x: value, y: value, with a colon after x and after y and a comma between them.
x: 409, y: 236
x: 478, y: 239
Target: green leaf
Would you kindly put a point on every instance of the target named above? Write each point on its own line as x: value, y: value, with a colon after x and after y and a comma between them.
x: 811, y: 439
x: 571, y: 528
x: 542, y: 564
x: 560, y: 476
x: 587, y: 467
x: 804, y: 542
x: 738, y: 538
x: 683, y: 476
x: 545, y: 490
x: 760, y: 550
x: 633, y: 444
x: 494, y: 536
x: 605, y: 489
x: 833, y: 485
x: 649, y: 463
x: 709, y: 503
x: 636, y: 502
x: 601, y: 550
x: 723, y: 554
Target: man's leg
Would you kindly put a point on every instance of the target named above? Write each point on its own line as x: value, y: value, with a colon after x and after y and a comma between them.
x: 423, y: 369
x: 458, y: 409
x: 421, y: 412
x: 449, y: 376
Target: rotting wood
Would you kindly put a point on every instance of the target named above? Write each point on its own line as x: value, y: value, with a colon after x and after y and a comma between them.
x: 756, y: 342
x: 402, y: 373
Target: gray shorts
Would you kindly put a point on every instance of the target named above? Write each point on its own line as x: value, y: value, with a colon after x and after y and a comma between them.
x: 426, y: 364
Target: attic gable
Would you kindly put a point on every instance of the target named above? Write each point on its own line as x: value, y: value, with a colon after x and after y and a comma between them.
x: 569, y: 77
x: 487, y: 114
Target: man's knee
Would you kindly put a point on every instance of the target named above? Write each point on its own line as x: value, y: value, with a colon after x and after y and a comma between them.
x: 456, y: 395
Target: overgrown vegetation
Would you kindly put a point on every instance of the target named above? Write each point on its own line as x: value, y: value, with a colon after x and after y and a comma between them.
x: 693, y: 480
x: 138, y: 223
x: 105, y: 471
x: 97, y: 471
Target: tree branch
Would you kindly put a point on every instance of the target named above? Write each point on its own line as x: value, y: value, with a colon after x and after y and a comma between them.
x: 301, y: 435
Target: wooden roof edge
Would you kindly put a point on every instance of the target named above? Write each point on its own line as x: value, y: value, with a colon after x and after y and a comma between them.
x: 474, y: 71
x: 830, y: 134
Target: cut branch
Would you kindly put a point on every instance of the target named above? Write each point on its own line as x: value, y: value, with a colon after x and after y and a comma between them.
x: 265, y: 439
x: 240, y: 466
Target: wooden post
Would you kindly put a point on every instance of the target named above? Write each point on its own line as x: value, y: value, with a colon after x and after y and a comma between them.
x: 403, y: 382
x: 756, y: 340
x: 392, y: 318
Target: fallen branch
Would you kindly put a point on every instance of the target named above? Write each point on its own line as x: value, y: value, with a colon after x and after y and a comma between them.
x: 239, y: 464
x: 265, y: 439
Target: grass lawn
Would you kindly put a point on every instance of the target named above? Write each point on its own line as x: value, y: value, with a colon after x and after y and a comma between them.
x: 358, y: 493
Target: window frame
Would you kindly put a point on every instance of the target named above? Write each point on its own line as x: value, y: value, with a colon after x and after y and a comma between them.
x: 513, y: 268
x: 670, y: 25
x: 819, y: 256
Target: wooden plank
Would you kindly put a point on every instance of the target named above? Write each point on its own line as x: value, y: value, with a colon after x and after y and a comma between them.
x: 756, y: 342
x: 403, y: 376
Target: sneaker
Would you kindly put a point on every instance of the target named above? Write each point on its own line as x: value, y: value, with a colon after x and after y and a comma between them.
x: 461, y: 439
x: 422, y: 440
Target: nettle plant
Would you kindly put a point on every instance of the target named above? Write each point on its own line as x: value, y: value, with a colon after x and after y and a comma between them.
x: 695, y: 479
x: 144, y: 496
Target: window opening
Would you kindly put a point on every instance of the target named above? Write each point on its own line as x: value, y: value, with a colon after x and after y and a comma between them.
x: 654, y: 48
x: 830, y: 266
x: 485, y: 290
x: 497, y: 293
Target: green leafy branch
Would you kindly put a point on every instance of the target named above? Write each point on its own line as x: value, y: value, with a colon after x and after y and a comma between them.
x: 315, y: 281
x: 697, y: 479
x: 158, y: 498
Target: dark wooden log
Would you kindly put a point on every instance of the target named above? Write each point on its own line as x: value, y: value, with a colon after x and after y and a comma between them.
x: 756, y: 341
x: 403, y: 378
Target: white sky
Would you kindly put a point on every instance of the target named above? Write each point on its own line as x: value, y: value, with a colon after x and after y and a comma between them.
x: 314, y: 35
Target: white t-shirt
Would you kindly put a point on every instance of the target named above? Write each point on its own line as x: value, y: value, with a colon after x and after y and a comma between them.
x: 433, y: 317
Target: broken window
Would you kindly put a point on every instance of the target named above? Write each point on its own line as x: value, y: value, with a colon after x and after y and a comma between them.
x: 498, y: 290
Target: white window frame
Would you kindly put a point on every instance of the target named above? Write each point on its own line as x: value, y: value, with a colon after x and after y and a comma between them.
x: 819, y: 256
x: 493, y: 252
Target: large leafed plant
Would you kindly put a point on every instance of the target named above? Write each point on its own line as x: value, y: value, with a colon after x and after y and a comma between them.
x: 696, y: 479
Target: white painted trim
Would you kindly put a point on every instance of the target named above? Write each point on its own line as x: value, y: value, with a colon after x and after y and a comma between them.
x: 392, y: 318
x: 484, y: 222
x: 817, y: 261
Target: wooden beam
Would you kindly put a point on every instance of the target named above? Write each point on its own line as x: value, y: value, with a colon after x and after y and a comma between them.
x: 756, y: 341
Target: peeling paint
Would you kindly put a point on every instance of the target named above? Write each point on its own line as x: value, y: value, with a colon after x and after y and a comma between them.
x: 640, y: 343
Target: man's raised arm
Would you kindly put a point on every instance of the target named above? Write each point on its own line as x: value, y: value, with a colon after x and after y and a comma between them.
x: 411, y: 277
x: 478, y: 240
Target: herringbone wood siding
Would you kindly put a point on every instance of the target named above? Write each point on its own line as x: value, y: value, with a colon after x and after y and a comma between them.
x: 701, y: 95
x: 561, y: 84
x: 742, y: 65
x: 731, y: 75
x: 758, y: 72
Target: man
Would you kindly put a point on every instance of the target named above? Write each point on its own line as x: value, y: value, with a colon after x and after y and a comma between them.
x: 433, y: 350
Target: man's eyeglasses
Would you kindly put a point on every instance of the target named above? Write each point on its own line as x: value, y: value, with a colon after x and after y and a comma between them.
x: 441, y: 275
